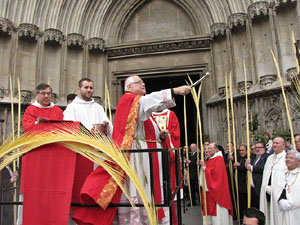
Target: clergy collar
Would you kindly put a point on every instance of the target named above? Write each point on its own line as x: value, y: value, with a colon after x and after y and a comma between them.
x: 81, y: 101
x: 37, y: 104
x: 219, y: 153
x: 280, y: 154
x: 131, y: 92
x: 162, y: 112
x: 294, y: 171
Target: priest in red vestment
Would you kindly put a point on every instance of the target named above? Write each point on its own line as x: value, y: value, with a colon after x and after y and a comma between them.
x: 134, y: 128
x: 47, y: 174
x: 167, y: 120
x: 218, y: 201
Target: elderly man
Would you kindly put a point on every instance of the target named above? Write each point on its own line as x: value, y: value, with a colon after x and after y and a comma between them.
x: 268, y: 201
x: 287, y: 189
x: 134, y: 128
x: 218, y: 201
x: 256, y: 165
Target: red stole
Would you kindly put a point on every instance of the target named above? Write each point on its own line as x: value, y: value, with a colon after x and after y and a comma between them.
x: 173, y: 141
x: 216, y: 180
x: 150, y: 135
x: 99, y: 187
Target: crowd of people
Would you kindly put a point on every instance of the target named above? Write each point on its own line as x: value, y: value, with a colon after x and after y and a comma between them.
x: 52, y: 177
x: 144, y: 121
x: 273, y: 180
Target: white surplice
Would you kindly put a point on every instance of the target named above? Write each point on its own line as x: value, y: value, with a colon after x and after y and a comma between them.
x: 156, y: 101
x: 88, y: 113
x: 274, y: 165
x: 290, y: 180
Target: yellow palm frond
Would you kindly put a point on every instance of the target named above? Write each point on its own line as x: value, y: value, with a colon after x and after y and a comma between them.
x: 97, y: 148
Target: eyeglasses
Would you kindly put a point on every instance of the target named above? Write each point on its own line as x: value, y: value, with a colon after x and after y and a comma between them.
x: 259, y: 147
x: 45, y: 93
x: 140, y: 82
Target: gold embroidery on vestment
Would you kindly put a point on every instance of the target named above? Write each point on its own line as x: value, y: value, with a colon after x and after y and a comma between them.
x: 110, y: 188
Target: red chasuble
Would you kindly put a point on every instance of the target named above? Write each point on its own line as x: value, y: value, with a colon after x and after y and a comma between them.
x: 47, y: 174
x: 99, y: 187
x: 173, y: 141
x: 150, y: 135
x: 218, y: 188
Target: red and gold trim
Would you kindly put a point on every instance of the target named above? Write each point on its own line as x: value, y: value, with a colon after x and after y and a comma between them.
x: 111, y: 187
x: 131, y: 123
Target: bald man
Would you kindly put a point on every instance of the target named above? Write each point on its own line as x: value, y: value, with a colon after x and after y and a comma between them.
x: 218, y: 201
x: 268, y: 200
x: 134, y: 128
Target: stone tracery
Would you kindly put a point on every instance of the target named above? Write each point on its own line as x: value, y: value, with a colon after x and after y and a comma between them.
x: 98, y: 29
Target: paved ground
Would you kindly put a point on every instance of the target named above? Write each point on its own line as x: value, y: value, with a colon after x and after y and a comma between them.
x: 193, y: 216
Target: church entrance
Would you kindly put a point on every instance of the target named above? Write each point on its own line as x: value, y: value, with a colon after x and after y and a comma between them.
x: 156, y: 83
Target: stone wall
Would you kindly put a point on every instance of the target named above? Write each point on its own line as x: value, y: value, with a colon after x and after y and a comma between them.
x: 104, y: 40
x: 249, y: 38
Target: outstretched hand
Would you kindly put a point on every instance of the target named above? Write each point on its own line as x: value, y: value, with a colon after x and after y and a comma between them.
x: 182, y: 90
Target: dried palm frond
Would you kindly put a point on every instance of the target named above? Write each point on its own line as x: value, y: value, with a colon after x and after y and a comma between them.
x: 196, y: 98
x: 295, y: 89
x: 97, y: 148
x: 284, y: 97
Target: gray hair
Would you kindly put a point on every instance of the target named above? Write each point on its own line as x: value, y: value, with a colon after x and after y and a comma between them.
x: 297, y: 154
x: 129, y: 80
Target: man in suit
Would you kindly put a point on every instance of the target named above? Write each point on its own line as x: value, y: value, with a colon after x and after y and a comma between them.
x: 9, y: 177
x: 256, y: 165
x: 191, y: 163
x: 297, y: 142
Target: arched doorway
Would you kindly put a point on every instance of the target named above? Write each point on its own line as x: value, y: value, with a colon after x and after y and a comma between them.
x: 164, y: 81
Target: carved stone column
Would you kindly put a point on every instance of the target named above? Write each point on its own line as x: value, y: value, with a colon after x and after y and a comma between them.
x: 239, y: 46
x: 241, y: 86
x: 28, y: 31
x: 6, y: 26
x: 263, y: 39
x: 218, y: 29
x: 53, y: 36
x: 258, y: 9
x: 237, y: 19
x: 267, y: 80
x: 26, y: 97
x: 96, y: 44
x: 220, y: 55
x: 221, y: 91
x: 75, y: 40
x: 291, y: 73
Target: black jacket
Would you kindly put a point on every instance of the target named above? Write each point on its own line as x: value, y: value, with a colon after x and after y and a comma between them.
x: 257, y: 171
x: 193, y: 166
